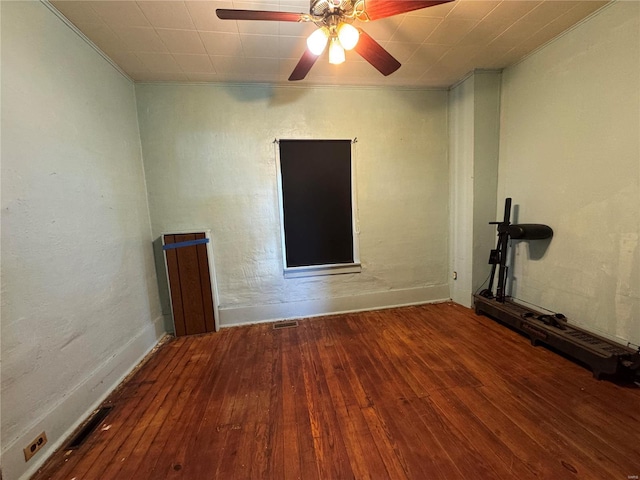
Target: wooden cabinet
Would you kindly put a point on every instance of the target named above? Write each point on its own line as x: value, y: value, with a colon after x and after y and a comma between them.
x: 189, y: 271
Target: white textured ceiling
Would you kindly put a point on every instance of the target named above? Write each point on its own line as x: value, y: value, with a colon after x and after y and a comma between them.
x: 184, y: 41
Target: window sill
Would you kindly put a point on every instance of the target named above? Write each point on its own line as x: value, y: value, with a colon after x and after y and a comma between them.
x: 319, y: 270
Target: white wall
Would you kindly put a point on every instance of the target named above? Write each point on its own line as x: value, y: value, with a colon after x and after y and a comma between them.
x: 210, y: 163
x: 486, y: 137
x: 570, y: 158
x: 461, y: 147
x: 79, y: 296
x: 474, y: 126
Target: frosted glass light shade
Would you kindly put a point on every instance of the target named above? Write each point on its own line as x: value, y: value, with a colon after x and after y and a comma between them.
x: 348, y: 36
x: 317, y: 41
x: 336, y: 52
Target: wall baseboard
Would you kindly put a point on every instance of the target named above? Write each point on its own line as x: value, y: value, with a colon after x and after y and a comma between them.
x: 63, y: 418
x: 463, y: 297
x: 233, y: 316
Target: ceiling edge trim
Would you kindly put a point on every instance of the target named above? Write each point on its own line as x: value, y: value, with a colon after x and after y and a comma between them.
x: 565, y: 32
x: 302, y: 87
x: 66, y: 21
x: 473, y: 72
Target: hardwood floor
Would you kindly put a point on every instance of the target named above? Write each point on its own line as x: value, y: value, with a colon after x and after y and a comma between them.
x: 427, y: 392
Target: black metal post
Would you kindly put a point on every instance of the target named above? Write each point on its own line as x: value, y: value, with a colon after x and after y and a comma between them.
x: 503, y: 244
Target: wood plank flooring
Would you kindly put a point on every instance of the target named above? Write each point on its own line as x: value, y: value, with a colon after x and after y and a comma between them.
x: 426, y: 392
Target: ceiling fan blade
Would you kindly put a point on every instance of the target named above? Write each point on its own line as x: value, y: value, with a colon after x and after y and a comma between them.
x: 229, y: 14
x: 304, y: 65
x: 377, y: 9
x: 376, y: 55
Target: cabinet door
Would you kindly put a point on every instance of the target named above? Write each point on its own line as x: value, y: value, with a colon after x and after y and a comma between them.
x: 190, y: 285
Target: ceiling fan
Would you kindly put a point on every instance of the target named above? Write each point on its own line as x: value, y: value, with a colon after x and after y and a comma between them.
x: 334, y: 19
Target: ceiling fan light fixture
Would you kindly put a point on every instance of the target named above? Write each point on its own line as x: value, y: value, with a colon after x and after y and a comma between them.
x: 336, y: 52
x: 333, y: 19
x: 348, y: 36
x: 317, y: 41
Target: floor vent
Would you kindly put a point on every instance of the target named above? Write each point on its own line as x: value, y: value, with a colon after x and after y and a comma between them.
x: 89, y: 426
x: 279, y: 325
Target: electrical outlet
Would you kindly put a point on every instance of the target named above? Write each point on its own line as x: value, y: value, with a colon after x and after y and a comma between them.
x: 31, y: 449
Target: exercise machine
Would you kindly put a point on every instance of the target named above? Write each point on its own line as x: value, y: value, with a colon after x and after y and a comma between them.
x: 600, y: 354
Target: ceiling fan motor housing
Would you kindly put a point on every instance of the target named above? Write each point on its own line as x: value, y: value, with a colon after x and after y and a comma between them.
x: 320, y: 8
x: 333, y: 19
